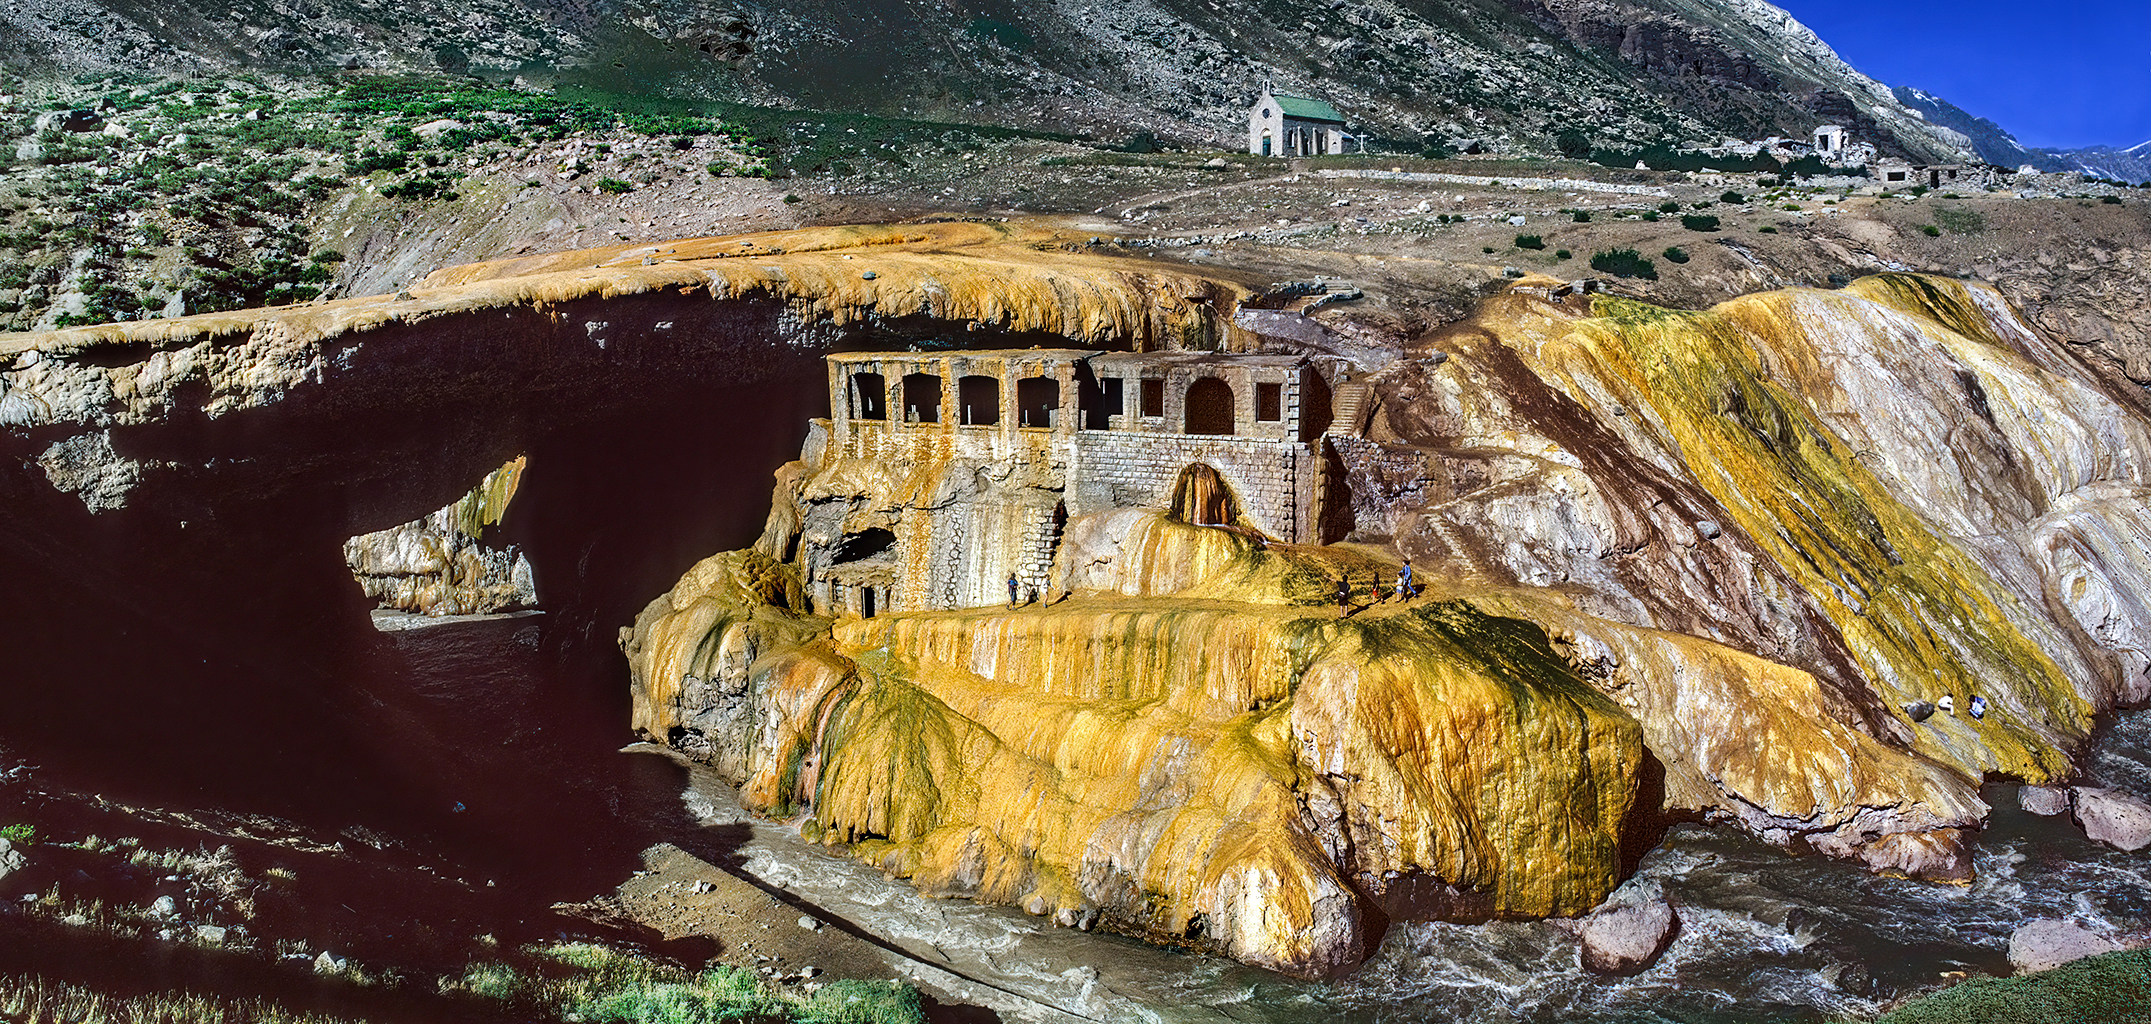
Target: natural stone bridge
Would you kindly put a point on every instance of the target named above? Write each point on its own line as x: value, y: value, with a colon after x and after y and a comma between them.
x: 1677, y: 563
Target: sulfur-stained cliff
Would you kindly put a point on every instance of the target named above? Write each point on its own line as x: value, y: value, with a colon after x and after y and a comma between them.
x: 1719, y: 563
x: 1231, y: 764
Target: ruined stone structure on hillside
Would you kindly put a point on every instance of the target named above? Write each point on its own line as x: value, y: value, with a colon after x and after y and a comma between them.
x: 996, y: 450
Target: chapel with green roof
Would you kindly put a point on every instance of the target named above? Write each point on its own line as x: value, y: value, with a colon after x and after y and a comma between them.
x: 1281, y: 125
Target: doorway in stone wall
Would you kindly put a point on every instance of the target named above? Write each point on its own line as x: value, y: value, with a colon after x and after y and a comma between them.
x: 1209, y: 407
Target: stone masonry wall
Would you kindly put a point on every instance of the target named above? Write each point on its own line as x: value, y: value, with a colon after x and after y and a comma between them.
x: 1275, y: 480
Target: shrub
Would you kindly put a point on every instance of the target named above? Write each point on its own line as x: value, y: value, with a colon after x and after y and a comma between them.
x: 1733, y: 199
x: 614, y: 186
x: 20, y: 833
x: 1669, y: 206
x: 1624, y: 263
x: 790, y: 198
x: 374, y: 160
x: 1651, y: 215
x: 1580, y: 216
x: 1767, y: 229
x: 1930, y: 230
x: 1790, y: 207
x: 2111, y: 200
x: 1530, y: 242
x: 1562, y: 254
x: 1676, y: 254
x: 1699, y: 222
x: 1486, y: 248
x: 2109, y: 987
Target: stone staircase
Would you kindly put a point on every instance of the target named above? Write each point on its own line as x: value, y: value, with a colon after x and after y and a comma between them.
x: 1350, y: 405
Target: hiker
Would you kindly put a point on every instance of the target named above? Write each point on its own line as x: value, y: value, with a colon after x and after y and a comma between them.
x: 1011, y: 590
x: 1404, y: 582
x: 1947, y: 703
x: 1344, y: 594
x: 1979, y: 707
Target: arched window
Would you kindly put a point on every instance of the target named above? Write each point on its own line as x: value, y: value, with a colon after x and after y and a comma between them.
x: 1209, y: 407
x: 979, y: 398
x: 868, y: 395
x: 1038, y: 401
x: 922, y: 397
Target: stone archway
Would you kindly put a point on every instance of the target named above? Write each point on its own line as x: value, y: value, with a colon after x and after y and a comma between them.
x: 1209, y: 407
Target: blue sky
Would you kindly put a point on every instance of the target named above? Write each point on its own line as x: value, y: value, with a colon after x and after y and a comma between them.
x: 2067, y: 74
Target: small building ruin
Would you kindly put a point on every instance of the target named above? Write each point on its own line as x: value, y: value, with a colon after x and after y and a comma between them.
x: 940, y: 475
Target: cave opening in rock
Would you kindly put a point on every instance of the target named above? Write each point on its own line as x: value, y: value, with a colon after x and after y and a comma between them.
x: 871, y: 542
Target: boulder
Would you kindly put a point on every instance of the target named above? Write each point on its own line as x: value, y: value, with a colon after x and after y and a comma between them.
x: 2114, y: 818
x: 1628, y: 931
x: 11, y: 859
x: 2044, y: 945
x: 2043, y: 800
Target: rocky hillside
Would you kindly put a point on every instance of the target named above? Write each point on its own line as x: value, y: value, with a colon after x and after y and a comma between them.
x: 1504, y: 74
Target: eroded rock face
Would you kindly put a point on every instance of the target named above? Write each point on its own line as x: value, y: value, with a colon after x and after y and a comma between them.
x: 439, y: 565
x: 1911, y: 500
x: 1229, y: 765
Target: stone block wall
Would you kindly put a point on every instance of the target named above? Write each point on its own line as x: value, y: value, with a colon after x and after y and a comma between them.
x: 1276, y: 481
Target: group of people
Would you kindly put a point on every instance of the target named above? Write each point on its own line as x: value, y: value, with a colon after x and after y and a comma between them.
x: 1404, y: 590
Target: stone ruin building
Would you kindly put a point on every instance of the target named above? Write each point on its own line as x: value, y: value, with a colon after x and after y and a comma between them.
x: 941, y: 474
x: 1280, y: 125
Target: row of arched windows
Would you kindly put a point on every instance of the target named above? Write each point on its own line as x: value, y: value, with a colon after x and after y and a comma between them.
x: 1210, y: 406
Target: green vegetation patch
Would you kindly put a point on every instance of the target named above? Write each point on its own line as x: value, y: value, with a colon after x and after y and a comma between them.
x: 1699, y: 222
x: 1624, y: 263
x: 2113, y: 988
x: 585, y: 982
x: 1530, y: 242
x: 1959, y: 220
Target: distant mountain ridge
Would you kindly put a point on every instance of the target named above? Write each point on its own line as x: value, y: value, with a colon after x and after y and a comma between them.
x: 1509, y: 74
x: 1996, y: 146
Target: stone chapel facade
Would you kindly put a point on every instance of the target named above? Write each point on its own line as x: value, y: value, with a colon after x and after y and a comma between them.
x: 1280, y: 125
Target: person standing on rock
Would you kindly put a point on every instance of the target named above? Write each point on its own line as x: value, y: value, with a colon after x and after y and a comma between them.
x: 1011, y: 590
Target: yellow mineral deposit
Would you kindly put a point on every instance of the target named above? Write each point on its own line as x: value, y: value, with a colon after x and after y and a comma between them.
x: 1198, y: 747
x: 1224, y: 764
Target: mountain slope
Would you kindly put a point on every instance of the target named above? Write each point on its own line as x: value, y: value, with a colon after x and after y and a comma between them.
x: 1509, y: 73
